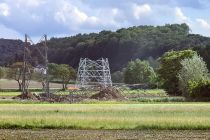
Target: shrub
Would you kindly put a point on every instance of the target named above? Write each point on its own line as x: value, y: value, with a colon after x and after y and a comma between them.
x: 193, y: 73
x: 199, y: 90
x: 170, y: 65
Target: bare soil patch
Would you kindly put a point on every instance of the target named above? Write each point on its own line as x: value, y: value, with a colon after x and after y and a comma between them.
x: 66, y: 134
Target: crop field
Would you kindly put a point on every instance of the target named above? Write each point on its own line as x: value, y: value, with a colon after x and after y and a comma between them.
x: 106, y: 116
x: 145, y: 114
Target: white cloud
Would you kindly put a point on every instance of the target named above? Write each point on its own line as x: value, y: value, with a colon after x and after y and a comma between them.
x: 69, y: 14
x: 115, y: 11
x: 4, y: 9
x: 36, y: 17
x: 8, y: 33
x: 34, y: 3
x: 141, y: 10
x: 81, y: 16
x: 203, y: 23
x: 181, y: 18
x: 29, y: 3
x: 180, y: 15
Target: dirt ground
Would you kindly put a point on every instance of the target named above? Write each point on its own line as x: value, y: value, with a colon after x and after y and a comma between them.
x: 66, y: 134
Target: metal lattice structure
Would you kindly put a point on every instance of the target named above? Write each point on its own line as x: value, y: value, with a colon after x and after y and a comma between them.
x: 97, y: 72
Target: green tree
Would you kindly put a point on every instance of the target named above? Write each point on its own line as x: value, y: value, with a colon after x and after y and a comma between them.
x: 170, y: 65
x: 15, y: 71
x: 63, y: 72
x: 139, y: 72
x: 193, y: 70
x: 66, y: 73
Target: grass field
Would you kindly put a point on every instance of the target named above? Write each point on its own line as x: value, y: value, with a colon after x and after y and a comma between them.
x: 106, y: 116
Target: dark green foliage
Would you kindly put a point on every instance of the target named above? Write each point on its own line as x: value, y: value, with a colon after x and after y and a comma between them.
x: 204, y: 51
x: 11, y: 51
x: 121, y: 46
x: 118, y: 77
x: 139, y: 72
x: 124, y: 45
x: 170, y: 65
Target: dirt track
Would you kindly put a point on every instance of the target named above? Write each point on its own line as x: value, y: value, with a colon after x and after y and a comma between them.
x: 65, y: 134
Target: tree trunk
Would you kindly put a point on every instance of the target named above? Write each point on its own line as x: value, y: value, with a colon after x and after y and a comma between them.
x: 20, y: 85
x: 63, y: 86
x: 43, y: 85
x: 63, y: 83
x: 66, y: 85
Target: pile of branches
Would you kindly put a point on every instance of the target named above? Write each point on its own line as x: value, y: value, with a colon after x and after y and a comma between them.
x: 108, y: 93
x: 50, y: 97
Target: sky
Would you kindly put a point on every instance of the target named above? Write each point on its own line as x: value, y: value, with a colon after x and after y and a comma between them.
x: 60, y: 18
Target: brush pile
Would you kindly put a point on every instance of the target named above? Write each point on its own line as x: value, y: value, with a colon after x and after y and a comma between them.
x: 108, y: 93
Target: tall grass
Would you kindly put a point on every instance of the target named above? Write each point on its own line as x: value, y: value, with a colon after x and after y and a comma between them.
x: 148, y: 92
x: 159, y: 99
x: 106, y: 116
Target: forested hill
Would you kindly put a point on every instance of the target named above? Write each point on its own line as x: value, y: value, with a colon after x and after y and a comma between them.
x: 9, y: 50
x: 123, y: 45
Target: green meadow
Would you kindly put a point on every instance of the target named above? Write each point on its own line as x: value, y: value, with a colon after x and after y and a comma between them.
x: 191, y: 116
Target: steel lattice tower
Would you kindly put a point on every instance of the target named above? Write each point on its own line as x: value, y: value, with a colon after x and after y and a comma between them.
x: 27, y: 58
x: 97, y: 72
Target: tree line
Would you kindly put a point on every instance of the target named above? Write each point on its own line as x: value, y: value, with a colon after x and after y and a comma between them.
x: 120, y: 46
